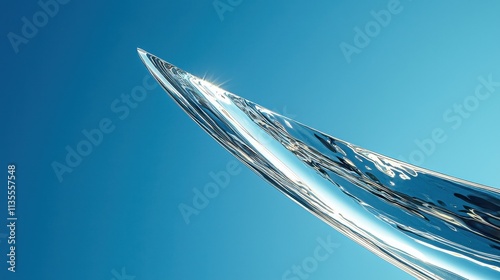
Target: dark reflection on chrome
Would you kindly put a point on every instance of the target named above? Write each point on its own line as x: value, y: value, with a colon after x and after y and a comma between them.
x: 431, y: 225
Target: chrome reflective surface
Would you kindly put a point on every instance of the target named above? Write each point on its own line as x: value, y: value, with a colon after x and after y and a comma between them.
x: 431, y: 225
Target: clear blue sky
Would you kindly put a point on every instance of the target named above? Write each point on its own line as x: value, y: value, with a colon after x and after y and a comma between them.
x: 384, y: 80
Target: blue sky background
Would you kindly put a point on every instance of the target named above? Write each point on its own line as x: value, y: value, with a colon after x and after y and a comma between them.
x: 119, y: 207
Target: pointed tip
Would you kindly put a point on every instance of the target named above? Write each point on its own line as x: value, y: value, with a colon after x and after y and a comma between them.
x: 148, y: 57
x: 150, y: 60
x: 143, y: 54
x: 159, y: 68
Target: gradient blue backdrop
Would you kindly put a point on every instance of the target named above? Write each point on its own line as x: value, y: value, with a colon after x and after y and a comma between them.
x: 119, y: 207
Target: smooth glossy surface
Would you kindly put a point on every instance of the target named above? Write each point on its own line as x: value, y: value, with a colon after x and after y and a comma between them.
x: 431, y: 225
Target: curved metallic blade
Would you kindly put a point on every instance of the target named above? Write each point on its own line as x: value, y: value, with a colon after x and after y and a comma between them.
x: 431, y: 225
